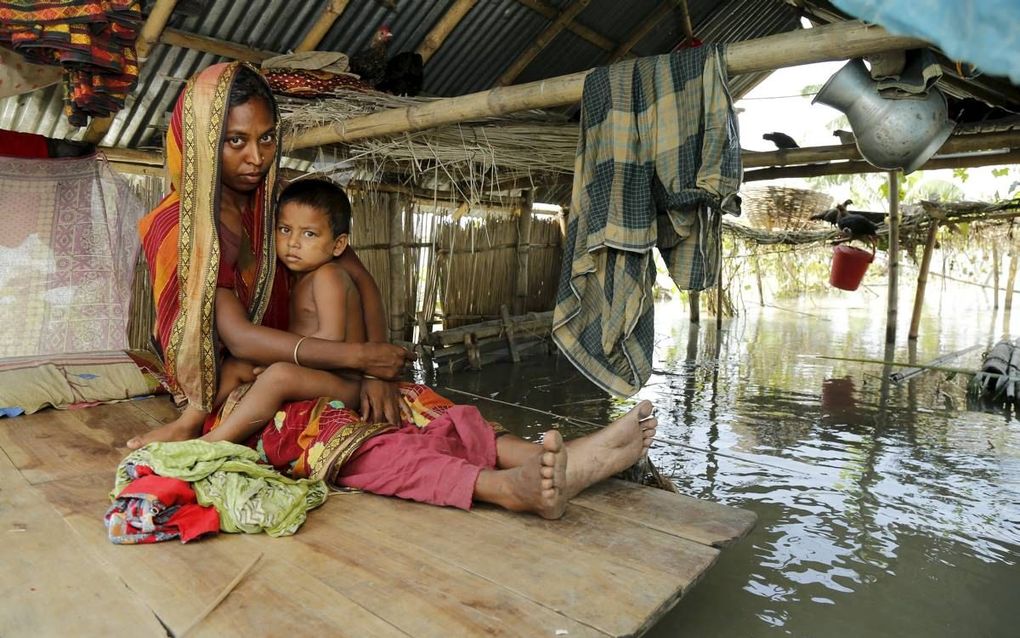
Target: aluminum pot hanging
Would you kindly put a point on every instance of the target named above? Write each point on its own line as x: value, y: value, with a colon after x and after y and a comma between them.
x: 890, y: 133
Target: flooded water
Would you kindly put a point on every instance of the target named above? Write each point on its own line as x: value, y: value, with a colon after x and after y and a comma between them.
x: 883, y: 509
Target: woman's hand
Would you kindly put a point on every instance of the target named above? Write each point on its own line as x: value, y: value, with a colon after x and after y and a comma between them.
x: 381, y: 402
x: 385, y: 360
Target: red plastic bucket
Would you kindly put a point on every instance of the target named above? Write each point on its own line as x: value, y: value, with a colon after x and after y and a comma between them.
x: 848, y: 266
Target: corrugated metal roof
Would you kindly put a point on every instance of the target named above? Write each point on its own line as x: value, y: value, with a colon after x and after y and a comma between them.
x: 492, y: 35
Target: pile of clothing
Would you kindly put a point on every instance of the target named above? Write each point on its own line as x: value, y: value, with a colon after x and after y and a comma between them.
x: 92, y: 40
x: 188, y: 489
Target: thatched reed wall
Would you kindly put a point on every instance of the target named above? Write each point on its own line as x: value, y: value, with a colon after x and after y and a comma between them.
x: 142, y: 315
x: 478, y: 266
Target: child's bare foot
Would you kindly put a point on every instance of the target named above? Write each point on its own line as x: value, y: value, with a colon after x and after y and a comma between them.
x: 180, y: 429
x: 535, y: 486
x: 612, y: 449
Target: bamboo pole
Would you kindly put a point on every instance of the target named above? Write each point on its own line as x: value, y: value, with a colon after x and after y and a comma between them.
x: 850, y: 168
x: 1011, y: 276
x: 398, y: 281
x: 542, y: 41
x: 956, y: 144
x: 643, y: 29
x: 330, y: 14
x: 831, y: 42
x: 523, y: 249
x: 900, y: 364
x: 995, y: 274
x: 222, y: 48
x: 922, y: 280
x: 444, y: 27
x: 894, y: 256
x: 153, y: 27
x: 580, y: 30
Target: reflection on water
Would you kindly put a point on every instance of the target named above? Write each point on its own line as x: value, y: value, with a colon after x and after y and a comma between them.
x: 884, y: 509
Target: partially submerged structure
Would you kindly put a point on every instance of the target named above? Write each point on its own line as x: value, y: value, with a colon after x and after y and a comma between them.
x: 445, y: 190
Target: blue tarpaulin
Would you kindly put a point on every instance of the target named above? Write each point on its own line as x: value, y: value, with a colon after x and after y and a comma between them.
x: 985, y: 33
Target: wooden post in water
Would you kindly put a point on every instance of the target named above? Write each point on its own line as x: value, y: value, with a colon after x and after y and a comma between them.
x: 523, y: 248
x: 995, y: 274
x: 922, y: 280
x: 894, y: 255
x: 1011, y: 275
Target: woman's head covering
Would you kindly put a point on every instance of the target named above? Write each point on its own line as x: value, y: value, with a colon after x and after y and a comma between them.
x: 180, y: 239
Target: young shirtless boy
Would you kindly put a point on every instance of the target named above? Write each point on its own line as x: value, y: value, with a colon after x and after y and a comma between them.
x: 312, y: 230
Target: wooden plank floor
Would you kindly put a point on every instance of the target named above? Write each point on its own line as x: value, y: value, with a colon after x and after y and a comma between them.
x: 362, y: 565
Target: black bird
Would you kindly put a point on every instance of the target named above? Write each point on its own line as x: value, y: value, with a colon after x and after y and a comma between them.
x: 781, y: 140
x: 404, y: 74
x: 856, y: 226
x: 832, y: 214
x: 845, y: 137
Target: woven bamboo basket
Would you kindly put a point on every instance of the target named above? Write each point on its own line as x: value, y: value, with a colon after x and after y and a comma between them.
x: 782, y: 207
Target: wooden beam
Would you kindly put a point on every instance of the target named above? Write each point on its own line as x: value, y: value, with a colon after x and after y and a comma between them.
x: 922, y: 281
x: 892, y: 310
x: 643, y: 29
x: 521, y: 275
x: 97, y: 129
x: 966, y: 143
x: 330, y: 13
x: 222, y: 48
x: 550, y: 12
x: 851, y: 168
x: 442, y: 29
x: 834, y: 42
x: 542, y: 41
x: 153, y: 27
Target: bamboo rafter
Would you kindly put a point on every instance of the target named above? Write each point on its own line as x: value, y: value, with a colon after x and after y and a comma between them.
x: 330, y: 14
x: 542, y: 41
x: 444, y: 27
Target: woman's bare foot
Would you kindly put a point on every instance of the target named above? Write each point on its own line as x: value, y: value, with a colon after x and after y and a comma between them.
x: 612, y: 449
x: 536, y: 486
x: 187, y: 426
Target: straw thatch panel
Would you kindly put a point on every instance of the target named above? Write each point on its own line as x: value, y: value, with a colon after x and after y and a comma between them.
x: 545, y: 255
x: 142, y: 314
x: 783, y: 208
x: 478, y: 266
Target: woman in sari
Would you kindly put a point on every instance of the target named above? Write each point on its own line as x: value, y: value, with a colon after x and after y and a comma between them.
x: 211, y: 255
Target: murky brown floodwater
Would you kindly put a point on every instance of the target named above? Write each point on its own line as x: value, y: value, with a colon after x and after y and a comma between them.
x: 883, y: 509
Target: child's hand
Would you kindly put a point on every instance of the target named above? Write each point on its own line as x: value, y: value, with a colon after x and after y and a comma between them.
x: 380, y: 402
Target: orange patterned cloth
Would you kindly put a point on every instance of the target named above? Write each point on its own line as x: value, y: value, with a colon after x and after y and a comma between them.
x: 182, y: 245
x: 93, y: 40
x: 315, y: 438
x: 311, y: 83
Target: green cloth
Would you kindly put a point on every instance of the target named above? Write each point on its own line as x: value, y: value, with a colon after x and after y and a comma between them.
x: 250, y: 497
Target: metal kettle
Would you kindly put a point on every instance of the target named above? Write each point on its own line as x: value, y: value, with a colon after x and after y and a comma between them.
x: 890, y: 134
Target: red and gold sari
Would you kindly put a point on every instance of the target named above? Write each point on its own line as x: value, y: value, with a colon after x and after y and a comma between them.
x: 180, y: 239
x: 181, y: 242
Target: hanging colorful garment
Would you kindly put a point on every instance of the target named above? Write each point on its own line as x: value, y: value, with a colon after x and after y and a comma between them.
x: 93, y: 40
x: 657, y: 162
